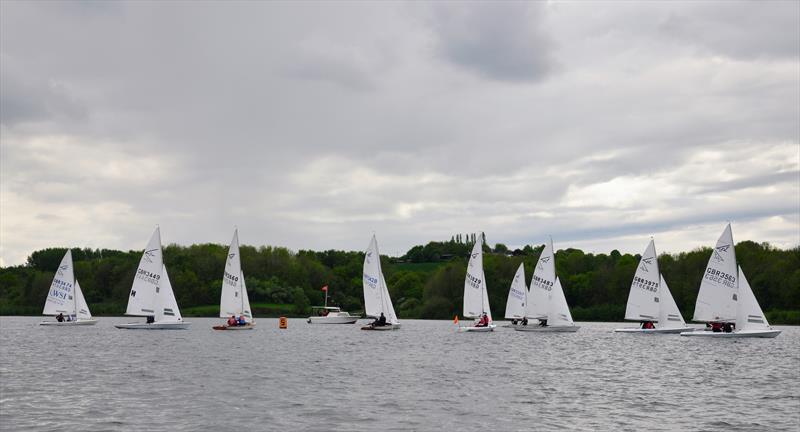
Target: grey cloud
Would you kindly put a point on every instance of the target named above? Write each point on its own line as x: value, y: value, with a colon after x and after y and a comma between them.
x: 499, y: 40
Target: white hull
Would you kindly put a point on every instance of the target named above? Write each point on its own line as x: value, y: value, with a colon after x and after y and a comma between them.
x: 548, y: 329
x: 387, y: 327
x: 655, y: 330
x: 154, y: 326
x: 488, y: 328
x: 69, y: 323
x: 332, y: 320
x: 735, y: 334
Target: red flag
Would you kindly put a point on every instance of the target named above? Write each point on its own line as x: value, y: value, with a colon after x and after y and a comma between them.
x: 325, y: 288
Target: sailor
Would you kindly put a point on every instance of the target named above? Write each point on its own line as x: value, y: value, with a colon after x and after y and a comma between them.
x: 242, y: 320
x: 513, y: 321
x: 231, y: 321
x: 716, y: 327
x: 648, y: 325
x: 543, y: 323
x: 727, y: 327
x: 151, y: 319
x: 60, y: 317
x: 524, y: 321
x: 484, y: 321
x: 382, y: 320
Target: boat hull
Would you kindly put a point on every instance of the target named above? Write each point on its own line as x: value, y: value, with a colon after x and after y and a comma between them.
x: 387, y: 327
x: 333, y: 320
x: 548, y: 329
x: 654, y: 331
x: 488, y: 328
x: 735, y: 334
x: 154, y: 326
x: 248, y: 326
x: 68, y: 323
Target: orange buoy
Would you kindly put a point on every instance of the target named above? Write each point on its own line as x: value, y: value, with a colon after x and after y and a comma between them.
x: 283, y: 322
x: 455, y: 320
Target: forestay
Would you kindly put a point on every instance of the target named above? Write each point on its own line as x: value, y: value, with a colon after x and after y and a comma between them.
x: 233, y: 299
x: 669, y: 316
x: 376, y: 293
x: 643, y: 301
x: 476, y: 298
x: 749, y: 314
x: 61, y: 297
x: 542, y: 283
x: 141, y: 300
x: 719, y: 287
x: 517, y: 295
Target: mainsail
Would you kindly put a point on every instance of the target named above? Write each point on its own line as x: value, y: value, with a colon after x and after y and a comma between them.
x: 719, y: 288
x: 517, y: 295
x: 542, y: 283
x: 476, y: 298
x: 376, y: 293
x: 643, y: 299
x: 61, y: 297
x: 141, y: 300
x: 234, y: 300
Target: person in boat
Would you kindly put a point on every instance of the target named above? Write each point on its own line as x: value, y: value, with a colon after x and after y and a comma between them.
x: 484, y: 321
x: 151, y: 319
x: 648, y: 325
x: 60, y: 317
x: 513, y: 321
x: 716, y: 327
x: 524, y: 321
x: 242, y: 321
x: 727, y: 327
x: 542, y: 323
x: 232, y: 321
x: 380, y: 321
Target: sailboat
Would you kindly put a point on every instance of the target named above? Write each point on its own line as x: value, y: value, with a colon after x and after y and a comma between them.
x: 726, y: 297
x: 546, y: 301
x: 63, y: 300
x: 476, y: 298
x: 376, y: 294
x: 650, y: 299
x: 151, y: 293
x: 233, y: 299
x: 517, y: 297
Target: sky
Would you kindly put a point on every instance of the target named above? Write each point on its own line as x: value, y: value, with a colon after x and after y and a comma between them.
x: 313, y: 125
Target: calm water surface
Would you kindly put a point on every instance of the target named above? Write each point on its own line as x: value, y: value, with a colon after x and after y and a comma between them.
x: 423, y: 377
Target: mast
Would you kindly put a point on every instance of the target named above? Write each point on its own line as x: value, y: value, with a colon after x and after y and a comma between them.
x: 74, y: 287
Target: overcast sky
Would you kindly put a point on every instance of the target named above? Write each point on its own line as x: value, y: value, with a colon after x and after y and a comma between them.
x: 312, y: 125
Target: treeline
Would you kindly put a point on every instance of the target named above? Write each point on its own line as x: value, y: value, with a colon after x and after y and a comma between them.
x: 427, y: 282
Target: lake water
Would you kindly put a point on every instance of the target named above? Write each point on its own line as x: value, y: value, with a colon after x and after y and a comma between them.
x: 425, y: 376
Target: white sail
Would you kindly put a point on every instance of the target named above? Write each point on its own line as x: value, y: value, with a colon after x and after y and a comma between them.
x: 376, y: 293
x: 559, y: 314
x: 716, y: 300
x: 749, y: 314
x: 246, y: 311
x: 233, y: 291
x: 669, y: 316
x: 476, y: 301
x: 82, y: 308
x: 391, y: 317
x: 542, y: 283
x: 373, y: 293
x: 517, y: 295
x: 61, y: 297
x: 141, y: 300
x: 166, y: 307
x: 643, y: 301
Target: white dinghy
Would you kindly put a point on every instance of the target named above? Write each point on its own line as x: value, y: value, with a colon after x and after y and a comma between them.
x: 650, y: 300
x: 476, y: 297
x: 65, y: 298
x: 376, y: 294
x: 151, y: 293
x: 517, y: 298
x: 546, y: 301
x: 234, y: 301
x: 725, y: 296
